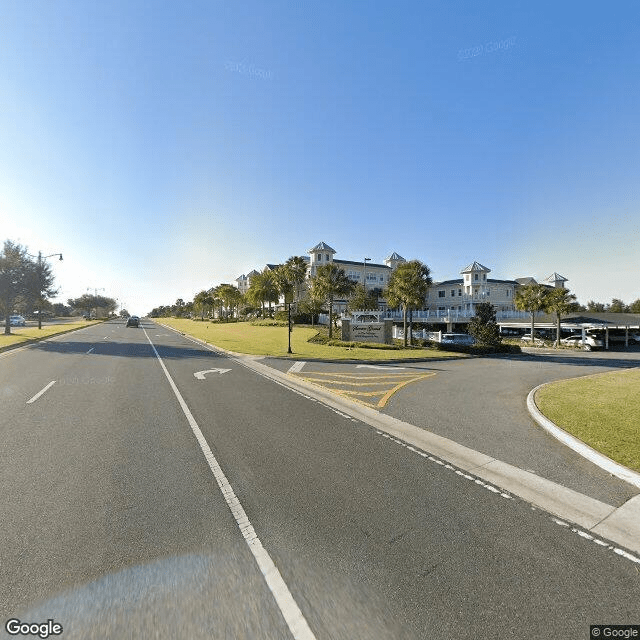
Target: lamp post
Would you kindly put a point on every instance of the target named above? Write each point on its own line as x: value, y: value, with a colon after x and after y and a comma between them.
x: 40, y: 259
x: 364, y: 274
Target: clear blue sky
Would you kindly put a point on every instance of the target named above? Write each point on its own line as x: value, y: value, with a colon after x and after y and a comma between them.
x: 166, y: 147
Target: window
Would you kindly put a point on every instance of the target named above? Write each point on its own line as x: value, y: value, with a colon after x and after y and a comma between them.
x: 484, y: 275
x: 327, y: 257
x: 459, y: 292
x: 319, y: 257
x: 442, y: 293
x: 453, y: 292
x: 476, y: 276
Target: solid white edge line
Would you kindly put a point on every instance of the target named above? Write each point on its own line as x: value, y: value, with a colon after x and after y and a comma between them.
x: 41, y: 392
x: 285, y: 601
x: 577, y: 445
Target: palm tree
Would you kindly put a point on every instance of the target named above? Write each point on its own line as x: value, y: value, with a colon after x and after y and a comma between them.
x: 230, y: 296
x: 289, y: 278
x: 201, y: 301
x: 263, y: 289
x: 531, y: 298
x: 330, y: 281
x: 560, y: 302
x: 408, y: 287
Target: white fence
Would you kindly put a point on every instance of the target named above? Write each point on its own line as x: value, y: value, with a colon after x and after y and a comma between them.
x: 436, y: 336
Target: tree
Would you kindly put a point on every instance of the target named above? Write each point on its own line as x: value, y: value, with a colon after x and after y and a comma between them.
x: 483, y: 326
x: 330, y: 282
x: 16, y: 273
x: 617, y: 306
x: 41, y: 286
x: 634, y: 307
x: 408, y: 287
x: 263, y: 289
x: 531, y: 298
x: 290, y: 276
x: 230, y: 297
x: 595, y: 306
x: 202, y: 302
x: 559, y: 301
x: 362, y: 300
x: 102, y: 305
x: 61, y: 310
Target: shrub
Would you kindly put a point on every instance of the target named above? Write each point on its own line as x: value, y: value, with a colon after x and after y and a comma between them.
x: 270, y: 323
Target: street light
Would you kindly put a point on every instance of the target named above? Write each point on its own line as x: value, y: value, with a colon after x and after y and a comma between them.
x: 364, y: 273
x: 40, y: 259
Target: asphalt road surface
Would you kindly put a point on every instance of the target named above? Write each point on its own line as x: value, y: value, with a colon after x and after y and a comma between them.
x: 143, y: 501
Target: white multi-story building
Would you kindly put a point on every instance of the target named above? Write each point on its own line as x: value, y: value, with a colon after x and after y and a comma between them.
x: 458, y: 296
x: 462, y: 294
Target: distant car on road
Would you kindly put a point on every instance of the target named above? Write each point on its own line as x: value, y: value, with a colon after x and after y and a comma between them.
x: 458, y: 338
x: 17, y: 321
x: 590, y: 342
x: 133, y: 321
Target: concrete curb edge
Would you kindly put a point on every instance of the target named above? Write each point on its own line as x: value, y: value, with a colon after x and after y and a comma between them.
x: 577, y: 445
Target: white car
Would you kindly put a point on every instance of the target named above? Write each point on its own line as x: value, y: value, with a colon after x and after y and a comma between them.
x: 17, y: 321
x: 590, y: 342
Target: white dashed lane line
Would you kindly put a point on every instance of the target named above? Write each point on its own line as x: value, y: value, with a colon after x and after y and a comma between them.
x: 41, y: 392
x: 485, y: 485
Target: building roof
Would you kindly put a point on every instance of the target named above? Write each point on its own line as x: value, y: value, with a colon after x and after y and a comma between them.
x: 476, y: 266
x: 395, y: 256
x: 526, y: 281
x: 555, y: 277
x: 459, y: 282
x: 322, y: 246
x: 360, y: 264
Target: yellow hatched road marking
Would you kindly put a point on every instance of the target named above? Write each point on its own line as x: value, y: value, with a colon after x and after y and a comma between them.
x: 349, y: 380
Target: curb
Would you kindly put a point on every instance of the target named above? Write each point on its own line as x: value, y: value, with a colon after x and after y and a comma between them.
x: 618, y: 524
x: 577, y: 445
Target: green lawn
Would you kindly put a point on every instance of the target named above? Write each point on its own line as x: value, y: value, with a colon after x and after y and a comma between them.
x: 19, y: 335
x: 602, y: 410
x: 243, y: 337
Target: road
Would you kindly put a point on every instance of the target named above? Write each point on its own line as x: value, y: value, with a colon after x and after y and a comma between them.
x: 143, y: 501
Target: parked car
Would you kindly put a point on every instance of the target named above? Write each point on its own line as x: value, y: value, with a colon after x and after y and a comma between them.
x: 133, y: 321
x: 17, y: 321
x: 618, y: 337
x: 590, y: 342
x: 458, y: 338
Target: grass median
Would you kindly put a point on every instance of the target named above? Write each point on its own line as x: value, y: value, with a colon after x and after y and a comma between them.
x: 602, y: 410
x: 23, y: 335
x: 244, y: 337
